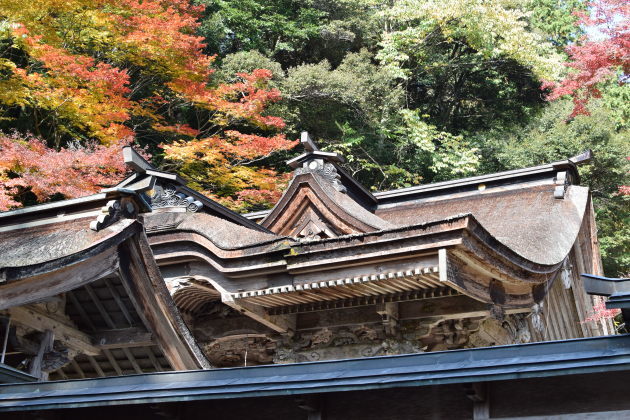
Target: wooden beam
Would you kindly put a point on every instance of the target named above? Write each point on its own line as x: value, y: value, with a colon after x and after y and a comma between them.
x: 121, y: 338
x: 77, y: 369
x: 132, y: 359
x: 45, y: 345
x: 147, y: 290
x: 389, y: 313
x: 96, y: 366
x: 284, y: 324
x: 86, y: 318
x: 42, y: 286
x: 453, y: 307
x: 67, y: 334
x: 443, y: 264
x: 61, y: 373
x: 154, y: 360
x: 119, y: 301
x: 326, y: 305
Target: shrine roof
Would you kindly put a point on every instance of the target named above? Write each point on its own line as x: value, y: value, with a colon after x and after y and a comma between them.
x: 527, y: 219
x: 535, y: 212
x: 222, y: 233
x: 39, y: 244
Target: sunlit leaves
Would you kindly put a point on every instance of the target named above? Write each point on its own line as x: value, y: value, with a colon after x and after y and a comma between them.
x: 488, y: 27
x: 595, y: 61
x: 112, y: 71
x: 28, y: 166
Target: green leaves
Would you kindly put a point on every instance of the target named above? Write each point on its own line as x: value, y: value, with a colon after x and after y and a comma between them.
x: 484, y: 25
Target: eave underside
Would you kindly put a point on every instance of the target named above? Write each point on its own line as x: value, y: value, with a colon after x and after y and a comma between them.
x: 106, y: 309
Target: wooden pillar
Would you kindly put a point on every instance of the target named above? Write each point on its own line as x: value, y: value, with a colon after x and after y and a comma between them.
x: 478, y: 393
x: 45, y: 345
x: 389, y: 314
x: 313, y: 405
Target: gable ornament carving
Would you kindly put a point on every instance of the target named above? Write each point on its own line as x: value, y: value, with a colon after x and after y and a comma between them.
x: 166, y: 196
x: 325, y: 169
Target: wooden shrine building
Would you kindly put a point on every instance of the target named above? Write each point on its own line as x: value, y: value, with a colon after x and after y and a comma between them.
x: 150, y: 276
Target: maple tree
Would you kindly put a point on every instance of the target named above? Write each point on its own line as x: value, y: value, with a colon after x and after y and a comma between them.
x: 29, y: 167
x: 593, y: 61
x: 117, y: 71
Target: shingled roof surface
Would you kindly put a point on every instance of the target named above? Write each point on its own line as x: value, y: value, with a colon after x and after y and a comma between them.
x: 528, y: 220
x: 352, y: 207
x: 39, y: 244
x: 222, y: 233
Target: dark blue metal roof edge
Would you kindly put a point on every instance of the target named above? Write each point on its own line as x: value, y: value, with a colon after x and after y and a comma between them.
x: 580, y: 356
x: 8, y: 373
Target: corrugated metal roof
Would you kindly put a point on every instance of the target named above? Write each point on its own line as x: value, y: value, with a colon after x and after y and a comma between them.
x: 592, y: 355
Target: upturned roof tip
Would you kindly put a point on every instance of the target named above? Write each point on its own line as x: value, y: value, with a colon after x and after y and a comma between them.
x: 135, y: 161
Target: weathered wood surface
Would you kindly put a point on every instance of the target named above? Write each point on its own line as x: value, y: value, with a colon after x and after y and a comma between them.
x: 128, y: 337
x: 64, y: 332
x: 64, y: 279
x: 142, y: 279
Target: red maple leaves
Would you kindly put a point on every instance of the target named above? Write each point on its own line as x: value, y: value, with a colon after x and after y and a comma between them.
x: 115, y: 70
x: 72, y: 171
x: 594, y: 61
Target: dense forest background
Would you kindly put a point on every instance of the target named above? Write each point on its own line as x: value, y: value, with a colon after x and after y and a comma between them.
x: 409, y: 91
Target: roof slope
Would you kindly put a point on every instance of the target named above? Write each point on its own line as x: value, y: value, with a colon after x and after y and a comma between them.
x: 222, y: 233
x: 529, y: 220
x: 35, y: 245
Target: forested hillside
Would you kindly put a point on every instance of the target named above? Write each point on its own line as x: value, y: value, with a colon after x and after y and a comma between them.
x: 409, y: 91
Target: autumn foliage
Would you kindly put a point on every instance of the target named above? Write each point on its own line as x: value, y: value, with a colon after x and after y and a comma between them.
x: 81, y: 72
x: 594, y: 61
x: 29, y: 166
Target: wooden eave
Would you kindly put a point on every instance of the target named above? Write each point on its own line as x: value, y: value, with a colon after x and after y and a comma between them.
x: 472, y: 261
x: 59, y: 211
x: 524, y: 175
x: 124, y: 257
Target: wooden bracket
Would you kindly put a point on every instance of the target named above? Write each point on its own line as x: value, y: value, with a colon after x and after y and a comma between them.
x: 45, y: 345
x: 67, y: 334
x: 313, y: 405
x: 478, y: 393
x: 389, y: 315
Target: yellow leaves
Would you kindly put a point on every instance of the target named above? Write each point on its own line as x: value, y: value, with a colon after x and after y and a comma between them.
x: 13, y: 89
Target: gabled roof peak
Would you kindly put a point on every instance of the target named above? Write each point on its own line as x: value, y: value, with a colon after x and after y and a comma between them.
x: 327, y: 165
x: 312, y: 153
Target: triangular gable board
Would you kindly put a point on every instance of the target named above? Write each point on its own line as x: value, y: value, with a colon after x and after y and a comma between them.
x: 315, y: 207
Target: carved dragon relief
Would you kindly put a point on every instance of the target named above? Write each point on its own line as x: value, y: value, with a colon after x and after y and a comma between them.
x: 257, y: 346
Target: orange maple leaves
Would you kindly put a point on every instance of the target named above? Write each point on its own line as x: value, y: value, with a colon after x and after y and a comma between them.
x: 104, y: 69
